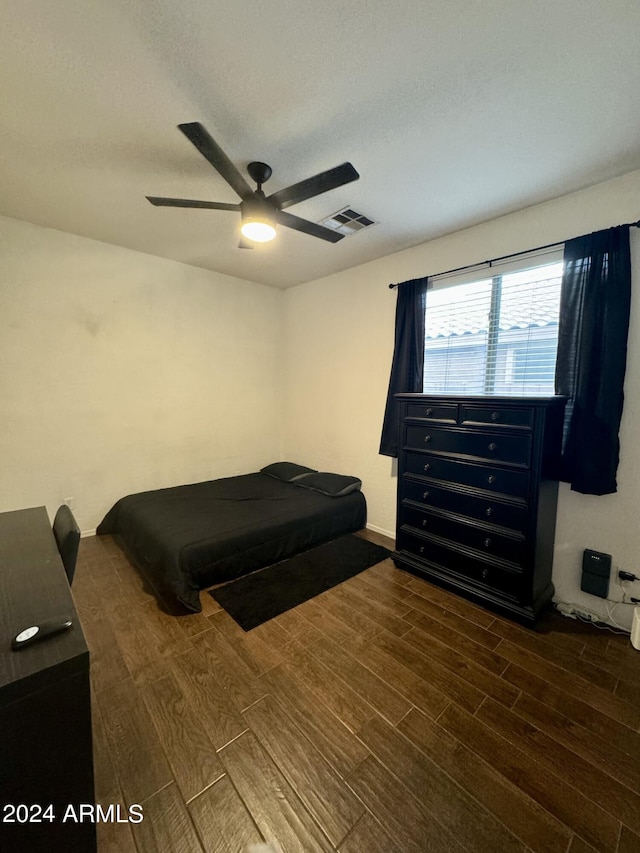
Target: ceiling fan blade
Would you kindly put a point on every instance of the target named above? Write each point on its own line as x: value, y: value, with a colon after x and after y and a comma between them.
x: 318, y: 184
x: 312, y: 228
x: 212, y: 152
x: 190, y: 202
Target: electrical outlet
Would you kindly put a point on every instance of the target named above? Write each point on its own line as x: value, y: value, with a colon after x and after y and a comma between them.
x: 626, y: 576
x: 70, y: 502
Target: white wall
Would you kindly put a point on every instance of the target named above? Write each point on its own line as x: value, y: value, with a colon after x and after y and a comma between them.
x: 121, y: 372
x: 339, y: 341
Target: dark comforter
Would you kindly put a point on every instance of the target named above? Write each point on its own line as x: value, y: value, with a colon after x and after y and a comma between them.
x: 190, y: 537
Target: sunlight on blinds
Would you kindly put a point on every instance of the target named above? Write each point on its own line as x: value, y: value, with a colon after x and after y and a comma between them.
x: 494, y: 336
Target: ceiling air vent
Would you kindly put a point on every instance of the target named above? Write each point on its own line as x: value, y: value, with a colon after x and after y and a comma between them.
x: 347, y: 221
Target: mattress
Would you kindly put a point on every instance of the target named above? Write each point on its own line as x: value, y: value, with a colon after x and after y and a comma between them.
x: 190, y: 537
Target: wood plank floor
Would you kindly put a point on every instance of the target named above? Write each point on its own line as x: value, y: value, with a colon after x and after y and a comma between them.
x: 384, y: 716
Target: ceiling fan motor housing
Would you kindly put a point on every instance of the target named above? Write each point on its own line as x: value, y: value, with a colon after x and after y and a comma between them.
x: 259, y: 216
x: 258, y: 209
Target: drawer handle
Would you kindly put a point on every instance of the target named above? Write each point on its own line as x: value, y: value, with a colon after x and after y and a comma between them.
x: 485, y: 574
x: 491, y: 478
x: 425, y: 495
x: 495, y: 416
x: 493, y: 446
x: 427, y: 438
x: 488, y: 511
x: 487, y: 542
x: 427, y: 466
x: 429, y: 412
x: 424, y: 522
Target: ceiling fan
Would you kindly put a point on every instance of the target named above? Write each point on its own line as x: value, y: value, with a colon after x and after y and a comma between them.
x: 260, y: 213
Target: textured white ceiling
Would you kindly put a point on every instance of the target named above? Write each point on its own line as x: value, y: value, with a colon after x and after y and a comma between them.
x: 453, y: 112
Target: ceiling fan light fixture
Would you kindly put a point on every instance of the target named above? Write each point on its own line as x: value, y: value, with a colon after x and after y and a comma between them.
x: 258, y: 230
x: 258, y: 220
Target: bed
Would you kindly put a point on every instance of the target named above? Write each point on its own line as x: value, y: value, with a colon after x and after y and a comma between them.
x: 190, y: 537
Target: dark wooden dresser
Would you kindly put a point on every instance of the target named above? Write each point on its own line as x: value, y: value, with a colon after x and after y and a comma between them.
x: 46, y: 761
x: 477, y: 495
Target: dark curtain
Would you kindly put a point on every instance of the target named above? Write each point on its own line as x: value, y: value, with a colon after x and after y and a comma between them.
x: 407, y: 367
x: 592, y: 354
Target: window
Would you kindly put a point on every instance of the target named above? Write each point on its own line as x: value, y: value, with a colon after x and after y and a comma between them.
x: 497, y: 334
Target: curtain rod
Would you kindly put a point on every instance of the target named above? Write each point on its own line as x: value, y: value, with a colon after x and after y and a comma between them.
x: 506, y: 257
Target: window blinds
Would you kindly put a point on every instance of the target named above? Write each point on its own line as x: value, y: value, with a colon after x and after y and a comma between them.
x: 495, y: 335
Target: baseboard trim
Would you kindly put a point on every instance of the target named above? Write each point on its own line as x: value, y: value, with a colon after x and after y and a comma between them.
x: 382, y: 531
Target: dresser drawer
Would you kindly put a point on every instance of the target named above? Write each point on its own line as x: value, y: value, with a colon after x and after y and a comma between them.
x: 482, y: 508
x: 488, y: 541
x: 453, y: 562
x: 433, y: 412
x: 497, y: 416
x: 486, y: 477
x: 498, y: 447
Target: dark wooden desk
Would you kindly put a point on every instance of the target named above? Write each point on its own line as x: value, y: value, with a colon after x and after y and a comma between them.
x: 45, y: 711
